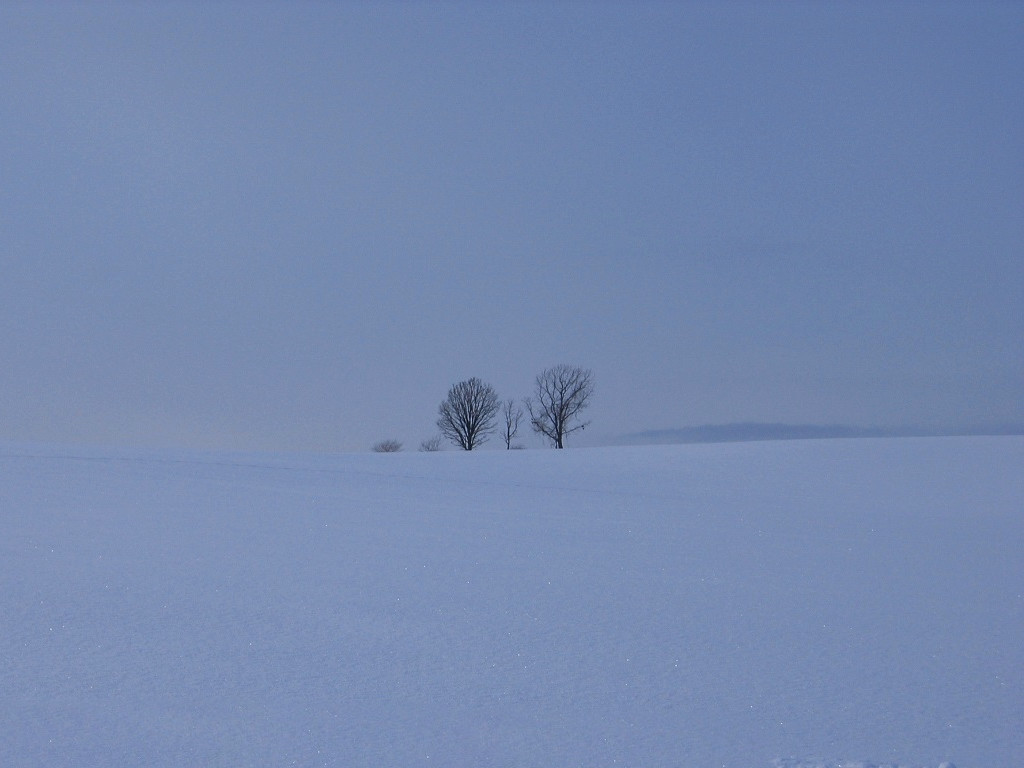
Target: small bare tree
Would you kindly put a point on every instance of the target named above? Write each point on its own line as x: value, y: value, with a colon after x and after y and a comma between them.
x: 513, y: 415
x: 466, y: 416
x: 387, y: 446
x: 431, y: 444
x: 560, y: 393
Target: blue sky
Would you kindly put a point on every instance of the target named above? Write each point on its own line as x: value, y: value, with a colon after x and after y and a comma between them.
x: 295, y: 225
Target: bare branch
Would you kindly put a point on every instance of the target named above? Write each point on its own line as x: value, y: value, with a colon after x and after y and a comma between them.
x: 560, y: 394
x: 467, y: 415
x: 513, y: 414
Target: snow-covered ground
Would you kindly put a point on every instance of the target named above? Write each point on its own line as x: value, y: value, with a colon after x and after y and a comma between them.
x: 815, y: 603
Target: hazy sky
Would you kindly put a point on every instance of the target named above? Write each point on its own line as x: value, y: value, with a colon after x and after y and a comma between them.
x: 295, y: 225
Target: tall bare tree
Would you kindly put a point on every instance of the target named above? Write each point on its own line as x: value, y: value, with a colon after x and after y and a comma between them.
x: 467, y: 415
x: 560, y: 393
x: 513, y: 414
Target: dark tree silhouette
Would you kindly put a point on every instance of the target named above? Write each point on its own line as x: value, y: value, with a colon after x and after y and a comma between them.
x: 466, y: 416
x: 560, y: 393
x: 513, y: 415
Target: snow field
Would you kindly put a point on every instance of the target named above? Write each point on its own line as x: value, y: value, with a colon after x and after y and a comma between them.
x: 716, y: 605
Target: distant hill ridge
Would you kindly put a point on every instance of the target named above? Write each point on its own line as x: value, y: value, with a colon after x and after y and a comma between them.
x: 753, y: 431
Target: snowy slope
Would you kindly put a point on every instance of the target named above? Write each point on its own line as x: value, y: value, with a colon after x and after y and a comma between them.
x: 743, y: 605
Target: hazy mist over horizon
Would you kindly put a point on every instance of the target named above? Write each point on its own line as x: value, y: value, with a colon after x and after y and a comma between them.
x: 293, y: 227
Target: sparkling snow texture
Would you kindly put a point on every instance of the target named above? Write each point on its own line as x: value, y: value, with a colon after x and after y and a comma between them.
x: 744, y: 605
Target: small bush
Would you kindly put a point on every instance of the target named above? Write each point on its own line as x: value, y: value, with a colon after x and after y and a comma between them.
x: 431, y: 444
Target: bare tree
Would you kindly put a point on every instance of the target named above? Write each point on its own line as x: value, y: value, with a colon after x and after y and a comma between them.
x: 513, y: 415
x: 466, y: 416
x: 560, y: 393
x: 431, y: 444
x: 387, y: 446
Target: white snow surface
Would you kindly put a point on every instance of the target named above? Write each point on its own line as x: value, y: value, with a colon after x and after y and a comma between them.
x: 811, y: 604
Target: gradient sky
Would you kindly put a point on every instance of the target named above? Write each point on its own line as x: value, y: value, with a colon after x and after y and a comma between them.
x: 294, y: 225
